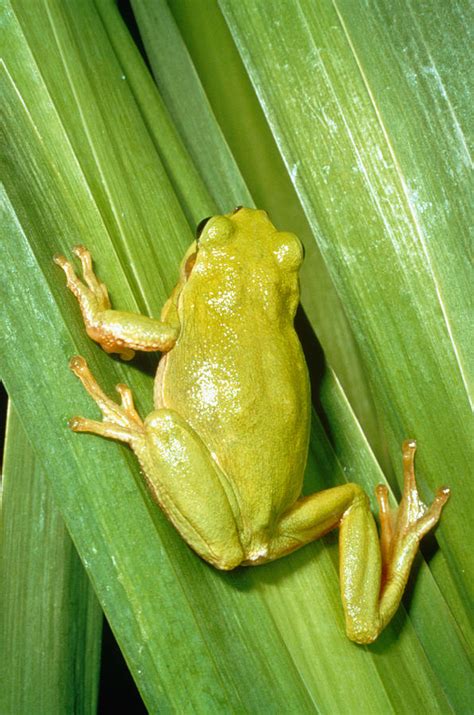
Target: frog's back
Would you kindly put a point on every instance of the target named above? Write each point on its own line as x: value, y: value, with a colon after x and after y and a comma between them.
x: 237, y: 375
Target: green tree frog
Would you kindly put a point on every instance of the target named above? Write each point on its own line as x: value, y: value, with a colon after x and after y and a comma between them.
x: 224, y: 450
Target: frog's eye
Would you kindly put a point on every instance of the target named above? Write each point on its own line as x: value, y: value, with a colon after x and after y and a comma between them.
x: 216, y: 231
x: 290, y: 251
x: 200, y: 226
x: 189, y: 265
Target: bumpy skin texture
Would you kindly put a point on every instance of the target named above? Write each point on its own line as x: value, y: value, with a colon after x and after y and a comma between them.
x: 225, y: 449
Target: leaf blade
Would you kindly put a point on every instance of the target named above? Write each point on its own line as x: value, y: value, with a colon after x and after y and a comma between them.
x: 273, y: 629
x: 51, y: 620
x: 363, y: 222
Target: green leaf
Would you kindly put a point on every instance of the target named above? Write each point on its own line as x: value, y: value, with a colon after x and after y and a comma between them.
x: 188, y: 105
x: 51, y: 620
x: 85, y: 162
x: 386, y: 218
x: 174, y: 638
x: 190, y: 189
x: 218, y: 70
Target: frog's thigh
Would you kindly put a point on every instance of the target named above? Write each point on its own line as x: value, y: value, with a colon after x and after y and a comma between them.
x: 186, y: 483
x: 311, y: 517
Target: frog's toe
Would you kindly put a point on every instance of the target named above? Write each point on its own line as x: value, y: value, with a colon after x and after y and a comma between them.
x: 60, y: 260
x: 82, y: 424
x: 414, y: 517
x: 110, y: 430
x: 123, y: 415
x: 78, y: 365
x: 403, y: 528
x: 81, y: 251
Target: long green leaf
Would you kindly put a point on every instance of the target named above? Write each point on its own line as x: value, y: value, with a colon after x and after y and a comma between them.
x: 253, y: 641
x: 188, y: 106
x: 219, y: 71
x: 191, y: 191
x: 199, y: 28
x: 51, y: 621
x: 182, y: 649
x: 380, y: 240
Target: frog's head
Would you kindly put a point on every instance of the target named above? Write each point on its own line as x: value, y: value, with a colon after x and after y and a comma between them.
x: 251, y: 234
x: 243, y: 248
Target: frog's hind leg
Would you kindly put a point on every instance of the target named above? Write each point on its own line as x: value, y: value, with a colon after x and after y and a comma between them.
x: 116, y: 331
x: 190, y: 488
x: 373, y: 574
x: 179, y: 471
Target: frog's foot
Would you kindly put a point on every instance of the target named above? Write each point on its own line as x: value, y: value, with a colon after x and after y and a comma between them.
x: 401, y: 532
x: 121, y: 422
x: 93, y: 299
x: 93, y: 295
x: 116, y: 331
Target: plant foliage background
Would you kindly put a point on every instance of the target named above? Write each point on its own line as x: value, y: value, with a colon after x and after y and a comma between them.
x: 351, y: 123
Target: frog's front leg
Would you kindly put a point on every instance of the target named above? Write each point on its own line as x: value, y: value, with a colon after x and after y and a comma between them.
x: 373, y: 575
x: 177, y: 466
x: 115, y: 331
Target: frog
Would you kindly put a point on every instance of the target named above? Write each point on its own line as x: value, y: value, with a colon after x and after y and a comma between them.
x: 224, y: 450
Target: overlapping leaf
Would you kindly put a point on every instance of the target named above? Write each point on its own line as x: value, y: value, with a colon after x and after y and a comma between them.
x: 89, y: 149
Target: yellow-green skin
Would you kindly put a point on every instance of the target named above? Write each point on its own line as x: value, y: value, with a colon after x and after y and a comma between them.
x: 237, y: 373
x: 225, y: 448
